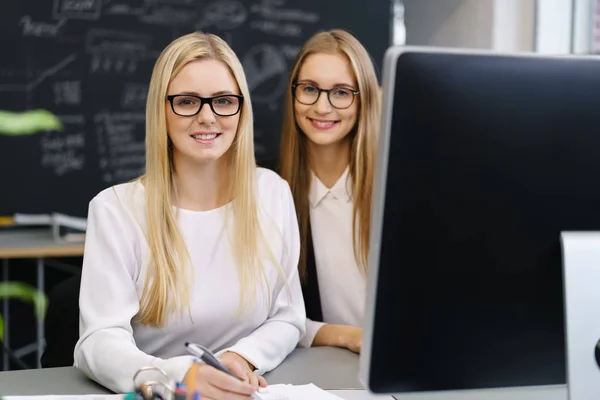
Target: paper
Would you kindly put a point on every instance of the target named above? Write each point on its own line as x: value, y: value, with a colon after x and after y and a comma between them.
x: 295, y: 392
x: 67, y: 397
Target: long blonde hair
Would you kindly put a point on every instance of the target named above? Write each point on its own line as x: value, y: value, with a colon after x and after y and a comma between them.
x: 166, y: 287
x: 294, y: 162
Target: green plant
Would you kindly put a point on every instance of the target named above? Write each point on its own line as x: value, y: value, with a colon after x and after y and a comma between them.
x: 23, y: 292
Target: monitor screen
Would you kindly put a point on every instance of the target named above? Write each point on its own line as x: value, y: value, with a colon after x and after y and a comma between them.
x: 483, y: 160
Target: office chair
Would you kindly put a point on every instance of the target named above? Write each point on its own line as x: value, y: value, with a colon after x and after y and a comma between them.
x: 62, y: 323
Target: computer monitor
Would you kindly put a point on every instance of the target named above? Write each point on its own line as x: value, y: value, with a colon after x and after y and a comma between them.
x: 484, y: 159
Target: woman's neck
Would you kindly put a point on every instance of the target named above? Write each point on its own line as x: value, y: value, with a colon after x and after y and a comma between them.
x: 329, y: 162
x: 201, y: 187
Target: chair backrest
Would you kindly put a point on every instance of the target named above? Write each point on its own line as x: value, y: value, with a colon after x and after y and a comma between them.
x: 62, y: 323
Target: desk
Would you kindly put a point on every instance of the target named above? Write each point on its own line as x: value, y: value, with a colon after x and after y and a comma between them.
x: 32, y: 243
x: 328, y: 368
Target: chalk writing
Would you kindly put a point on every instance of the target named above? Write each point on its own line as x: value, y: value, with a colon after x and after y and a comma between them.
x: 122, y: 154
x: 99, y: 64
x: 268, y: 9
x: 124, y: 45
x: 124, y: 9
x: 223, y: 14
x: 77, y: 9
x: 276, y: 28
x: 63, y: 153
x: 64, y: 162
x: 40, y: 29
x: 134, y: 96
x: 164, y: 15
x: 60, y: 142
x: 67, y: 92
x: 116, y: 51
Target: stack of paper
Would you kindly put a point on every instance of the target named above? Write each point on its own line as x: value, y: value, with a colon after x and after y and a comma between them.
x: 295, y: 392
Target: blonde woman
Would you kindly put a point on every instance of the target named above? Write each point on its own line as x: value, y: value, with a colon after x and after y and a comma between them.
x: 203, y: 248
x: 327, y: 156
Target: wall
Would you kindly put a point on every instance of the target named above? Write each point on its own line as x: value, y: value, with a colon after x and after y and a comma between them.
x: 513, y: 27
x: 503, y: 25
x: 554, y: 26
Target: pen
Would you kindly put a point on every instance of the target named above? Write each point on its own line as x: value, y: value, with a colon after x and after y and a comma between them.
x: 208, y: 357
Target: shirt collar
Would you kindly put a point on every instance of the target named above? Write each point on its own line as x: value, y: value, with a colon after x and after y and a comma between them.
x: 340, y: 190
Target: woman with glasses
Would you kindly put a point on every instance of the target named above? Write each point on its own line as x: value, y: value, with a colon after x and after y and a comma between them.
x: 202, y: 248
x: 327, y: 156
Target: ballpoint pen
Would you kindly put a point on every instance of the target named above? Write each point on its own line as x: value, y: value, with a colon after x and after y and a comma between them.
x: 209, y: 358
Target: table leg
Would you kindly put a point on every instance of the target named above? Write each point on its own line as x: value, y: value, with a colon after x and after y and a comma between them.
x: 40, y: 321
x: 5, y: 303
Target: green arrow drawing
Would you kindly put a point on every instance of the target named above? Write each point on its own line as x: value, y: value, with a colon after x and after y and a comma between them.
x: 28, y: 122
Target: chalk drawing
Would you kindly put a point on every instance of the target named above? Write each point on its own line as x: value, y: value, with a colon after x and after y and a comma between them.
x: 27, y: 87
x: 266, y: 71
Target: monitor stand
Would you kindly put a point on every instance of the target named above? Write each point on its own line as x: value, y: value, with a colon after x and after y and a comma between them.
x: 581, y: 273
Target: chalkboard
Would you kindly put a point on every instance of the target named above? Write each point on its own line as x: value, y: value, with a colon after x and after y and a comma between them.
x: 88, y: 62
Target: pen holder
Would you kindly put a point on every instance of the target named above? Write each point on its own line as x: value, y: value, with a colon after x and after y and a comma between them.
x: 152, y: 383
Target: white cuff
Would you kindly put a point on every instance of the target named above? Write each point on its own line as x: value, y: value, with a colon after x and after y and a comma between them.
x: 312, y: 327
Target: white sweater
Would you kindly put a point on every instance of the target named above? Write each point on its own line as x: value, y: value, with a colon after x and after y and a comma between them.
x: 112, y: 346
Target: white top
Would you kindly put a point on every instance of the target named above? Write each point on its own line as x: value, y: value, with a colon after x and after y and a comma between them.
x: 112, y: 348
x: 342, y: 285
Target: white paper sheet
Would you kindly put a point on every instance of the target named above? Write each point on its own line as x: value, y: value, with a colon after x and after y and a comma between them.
x: 66, y: 397
x: 296, y: 392
x: 272, y: 392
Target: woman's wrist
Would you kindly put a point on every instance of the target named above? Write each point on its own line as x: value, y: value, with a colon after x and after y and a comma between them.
x: 248, y: 363
x: 330, y: 335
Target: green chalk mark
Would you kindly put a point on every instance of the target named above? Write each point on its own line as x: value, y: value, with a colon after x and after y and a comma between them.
x: 28, y: 122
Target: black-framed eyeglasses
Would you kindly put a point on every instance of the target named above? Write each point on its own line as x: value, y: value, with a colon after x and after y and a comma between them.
x: 187, y: 105
x: 339, y: 97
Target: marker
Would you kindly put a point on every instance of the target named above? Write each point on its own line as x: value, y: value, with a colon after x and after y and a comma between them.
x: 180, y: 391
x: 6, y: 221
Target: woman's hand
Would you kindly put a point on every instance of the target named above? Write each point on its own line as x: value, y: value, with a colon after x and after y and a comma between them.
x: 352, y: 338
x: 213, y: 384
x: 242, y: 368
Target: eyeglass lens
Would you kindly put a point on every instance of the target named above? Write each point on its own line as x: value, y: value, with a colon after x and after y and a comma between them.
x: 221, y: 105
x: 338, y: 97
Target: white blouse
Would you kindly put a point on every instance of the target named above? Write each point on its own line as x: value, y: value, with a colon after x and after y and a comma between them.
x: 342, y: 285
x: 113, y: 346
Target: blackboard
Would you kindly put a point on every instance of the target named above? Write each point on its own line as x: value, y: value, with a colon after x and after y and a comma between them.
x: 88, y: 62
